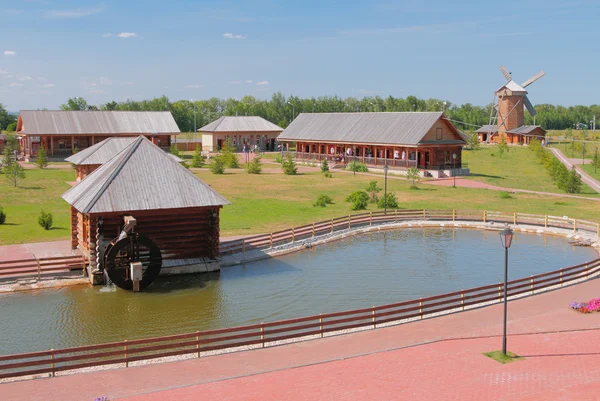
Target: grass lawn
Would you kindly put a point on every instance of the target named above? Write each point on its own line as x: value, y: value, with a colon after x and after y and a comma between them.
x: 565, y: 148
x: 518, y: 168
x: 589, y: 168
x: 269, y: 202
x: 591, y: 135
x: 498, y: 356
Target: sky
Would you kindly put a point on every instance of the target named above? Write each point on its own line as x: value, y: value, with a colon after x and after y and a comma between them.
x: 452, y: 50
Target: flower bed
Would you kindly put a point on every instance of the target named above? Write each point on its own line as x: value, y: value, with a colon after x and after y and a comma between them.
x: 592, y: 306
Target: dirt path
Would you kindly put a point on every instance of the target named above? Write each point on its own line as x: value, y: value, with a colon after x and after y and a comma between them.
x: 591, y: 182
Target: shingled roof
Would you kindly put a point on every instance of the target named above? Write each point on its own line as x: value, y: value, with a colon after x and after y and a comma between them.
x: 105, y: 150
x: 397, y: 128
x: 241, y: 124
x: 525, y: 129
x: 58, y: 122
x: 142, y: 177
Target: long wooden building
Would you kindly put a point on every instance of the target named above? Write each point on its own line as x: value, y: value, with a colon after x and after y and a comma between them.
x: 61, y: 132
x: 399, y: 140
x: 242, y: 132
x: 172, y: 207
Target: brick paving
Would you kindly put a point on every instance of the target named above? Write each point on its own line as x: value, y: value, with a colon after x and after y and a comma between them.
x: 438, y: 358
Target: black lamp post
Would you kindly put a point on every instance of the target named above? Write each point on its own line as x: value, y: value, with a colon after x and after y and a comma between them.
x: 385, y: 171
x: 354, y: 164
x: 454, y: 169
x: 583, y: 153
x: 506, y: 237
x: 595, y: 159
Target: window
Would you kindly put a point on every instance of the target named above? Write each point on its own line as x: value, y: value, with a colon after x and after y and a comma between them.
x: 447, y: 157
x: 413, y: 156
x: 438, y: 134
x: 61, y: 145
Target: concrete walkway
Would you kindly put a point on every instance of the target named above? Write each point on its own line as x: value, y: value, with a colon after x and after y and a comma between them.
x: 439, y: 358
x: 569, y: 163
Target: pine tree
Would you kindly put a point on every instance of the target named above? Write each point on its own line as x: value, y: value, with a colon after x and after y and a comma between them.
x: 217, y: 165
x: 229, y: 156
x: 502, y: 146
x: 198, y: 159
x: 289, y: 166
x: 255, y: 166
x: 324, y: 166
x: 14, y: 171
x: 42, y: 158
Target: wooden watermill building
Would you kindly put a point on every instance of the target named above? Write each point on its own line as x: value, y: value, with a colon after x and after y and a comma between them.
x: 61, y: 132
x: 93, y: 157
x: 171, y: 205
x: 400, y: 140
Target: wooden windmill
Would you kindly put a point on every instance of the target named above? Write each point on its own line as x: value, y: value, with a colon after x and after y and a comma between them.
x: 509, y: 103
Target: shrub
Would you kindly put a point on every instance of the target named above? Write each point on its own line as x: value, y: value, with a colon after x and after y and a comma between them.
x: 229, y: 157
x: 45, y: 220
x: 413, y: 175
x: 198, y: 160
x: 359, y: 200
x: 373, y: 190
x: 12, y: 127
x: 174, y: 150
x: 217, y: 165
x: 255, y: 166
x: 502, y: 146
x: 289, y: 166
x: 328, y: 175
x: 473, y: 140
x: 2, y: 216
x: 391, y: 201
x: 323, y: 200
x: 42, y: 158
x: 279, y: 158
x: 324, y: 166
x: 571, y: 181
x: 504, y: 195
x: 357, y: 167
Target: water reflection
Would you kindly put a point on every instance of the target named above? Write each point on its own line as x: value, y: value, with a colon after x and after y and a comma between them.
x: 361, y: 271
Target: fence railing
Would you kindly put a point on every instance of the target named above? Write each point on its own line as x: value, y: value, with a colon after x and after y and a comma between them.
x: 38, y: 267
x: 264, y: 241
x: 265, y: 334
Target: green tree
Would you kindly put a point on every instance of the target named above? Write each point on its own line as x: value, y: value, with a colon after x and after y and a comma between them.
x: 42, y: 158
x: 12, y: 143
x: 473, y: 140
x: 174, y: 151
x: 255, y: 166
x: 323, y: 200
x: 229, y: 156
x: 75, y: 103
x: 289, y: 166
x: 12, y: 127
x: 359, y: 200
x: 373, y: 190
x: 198, y: 159
x: 2, y: 216
x: 391, y: 201
x: 6, y: 119
x: 571, y: 181
x: 502, y: 146
x: 45, y: 220
x: 7, y: 156
x: 413, y: 175
x: 13, y: 171
x: 217, y: 165
x: 324, y: 166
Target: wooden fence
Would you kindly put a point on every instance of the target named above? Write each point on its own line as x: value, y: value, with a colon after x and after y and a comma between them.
x: 294, y: 234
x: 38, y: 267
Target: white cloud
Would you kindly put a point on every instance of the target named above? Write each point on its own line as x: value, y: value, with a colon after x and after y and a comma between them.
x: 9, y: 53
x: 235, y: 82
x: 3, y: 72
x: 126, y: 35
x: 42, y: 78
x: 107, y: 35
x: 232, y: 36
x: 195, y: 86
x: 248, y: 81
x: 14, y: 85
x: 262, y: 83
x: 25, y: 78
x: 49, y: 86
x: 74, y: 13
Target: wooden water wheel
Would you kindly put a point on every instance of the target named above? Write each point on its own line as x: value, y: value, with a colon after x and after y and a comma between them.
x: 121, y: 252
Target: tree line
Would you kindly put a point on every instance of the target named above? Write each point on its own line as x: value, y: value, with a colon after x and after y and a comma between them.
x: 280, y: 109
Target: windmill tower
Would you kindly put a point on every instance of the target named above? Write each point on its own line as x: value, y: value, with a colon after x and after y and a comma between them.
x: 509, y: 103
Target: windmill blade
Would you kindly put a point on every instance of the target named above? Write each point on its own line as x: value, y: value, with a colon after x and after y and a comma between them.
x: 529, y: 106
x: 505, y: 72
x: 533, y: 79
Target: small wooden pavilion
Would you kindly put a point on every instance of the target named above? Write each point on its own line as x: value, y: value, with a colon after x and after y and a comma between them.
x: 93, y: 157
x: 241, y: 132
x: 172, y: 207
x: 400, y: 140
x: 61, y: 132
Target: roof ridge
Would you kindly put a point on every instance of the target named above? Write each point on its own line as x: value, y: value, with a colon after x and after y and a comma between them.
x: 114, y: 173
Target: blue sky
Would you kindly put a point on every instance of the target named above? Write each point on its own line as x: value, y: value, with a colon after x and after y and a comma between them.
x: 114, y: 50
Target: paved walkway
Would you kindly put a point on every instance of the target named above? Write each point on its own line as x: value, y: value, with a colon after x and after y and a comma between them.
x: 588, y: 179
x: 439, y: 358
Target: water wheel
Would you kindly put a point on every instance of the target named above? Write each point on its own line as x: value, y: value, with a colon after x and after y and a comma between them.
x: 120, y: 253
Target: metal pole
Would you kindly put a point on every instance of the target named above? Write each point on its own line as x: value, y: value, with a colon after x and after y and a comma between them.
x: 385, y: 191
x: 583, y: 153
x: 194, y: 120
x: 505, y: 299
x: 454, y: 172
x: 596, y: 160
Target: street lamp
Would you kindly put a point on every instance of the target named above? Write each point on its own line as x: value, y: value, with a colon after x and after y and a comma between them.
x: 354, y: 164
x: 595, y: 159
x: 454, y: 169
x: 374, y: 105
x: 293, y: 110
x: 583, y: 153
x: 506, y: 237
x: 385, y: 171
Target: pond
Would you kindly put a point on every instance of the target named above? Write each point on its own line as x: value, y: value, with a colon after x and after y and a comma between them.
x: 356, y: 272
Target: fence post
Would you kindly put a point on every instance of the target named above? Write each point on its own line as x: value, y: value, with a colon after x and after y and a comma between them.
x: 561, y: 277
x: 198, y: 343
x: 532, y: 286
x: 294, y: 233
x: 500, y: 291
x: 126, y: 355
x: 598, y: 232
x: 271, y: 240
x: 424, y: 214
x: 546, y: 221
x: 313, y: 230
x: 453, y: 214
x: 484, y: 216
x: 421, y: 307
x: 52, y: 363
x: 462, y: 299
x: 321, y: 324
x: 243, y: 246
x: 574, y: 225
x: 39, y: 269
x: 331, y: 226
x: 262, y: 334
x: 374, y: 317
x: 587, y: 273
x: 349, y: 221
x: 370, y: 219
x: 396, y: 220
x: 515, y: 218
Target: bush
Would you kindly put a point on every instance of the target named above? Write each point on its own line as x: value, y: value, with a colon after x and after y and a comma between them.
x: 359, y: 200
x: 217, y: 165
x: 324, y: 166
x: 42, y: 158
x: 174, y: 151
x: 391, y: 201
x: 289, y: 166
x: 45, y: 220
x: 357, y: 167
x: 571, y: 181
x: 2, y: 216
x: 279, y: 158
x: 12, y: 127
x: 413, y: 175
x: 373, y: 190
x: 504, y: 195
x: 229, y: 157
x: 473, y: 140
x: 255, y: 166
x: 198, y: 160
x: 328, y: 175
x: 323, y: 200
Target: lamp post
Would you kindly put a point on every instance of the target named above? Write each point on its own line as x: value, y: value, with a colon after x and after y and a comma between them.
x: 293, y: 111
x: 374, y: 106
x: 583, y: 153
x: 385, y: 171
x: 454, y: 169
x: 354, y: 157
x: 506, y: 237
x: 595, y: 159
